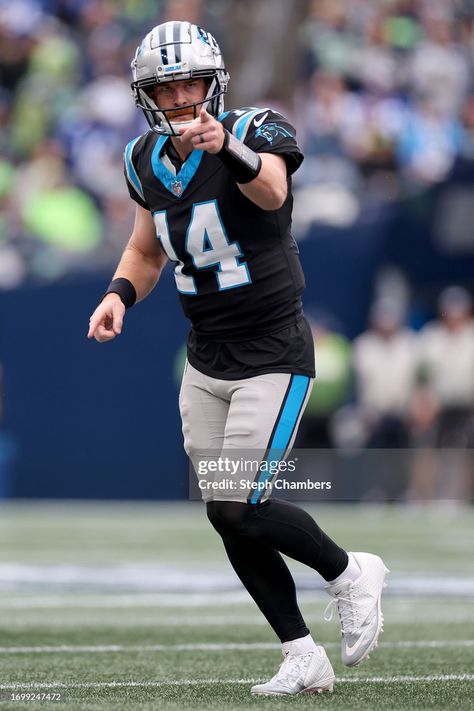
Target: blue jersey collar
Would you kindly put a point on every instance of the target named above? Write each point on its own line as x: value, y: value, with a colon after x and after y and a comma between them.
x: 176, y: 184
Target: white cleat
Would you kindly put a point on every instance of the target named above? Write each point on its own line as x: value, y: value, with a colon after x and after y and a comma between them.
x: 358, y: 605
x: 309, y: 673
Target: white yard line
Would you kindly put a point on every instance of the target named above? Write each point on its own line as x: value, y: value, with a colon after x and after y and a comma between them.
x: 156, y: 618
x: 216, y: 647
x: 404, y: 678
x: 203, y: 581
x: 72, y: 600
x: 197, y: 682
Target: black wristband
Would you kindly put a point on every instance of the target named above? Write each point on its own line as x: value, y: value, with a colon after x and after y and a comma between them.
x: 239, y: 159
x: 125, y: 289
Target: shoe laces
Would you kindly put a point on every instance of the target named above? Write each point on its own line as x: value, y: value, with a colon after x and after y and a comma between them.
x: 347, y: 609
x: 292, y: 667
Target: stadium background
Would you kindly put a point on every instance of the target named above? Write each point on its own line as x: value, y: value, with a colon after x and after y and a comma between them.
x: 382, y: 97
x: 132, y: 602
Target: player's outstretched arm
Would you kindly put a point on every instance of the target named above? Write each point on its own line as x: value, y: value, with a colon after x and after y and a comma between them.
x: 141, y: 264
x: 268, y: 189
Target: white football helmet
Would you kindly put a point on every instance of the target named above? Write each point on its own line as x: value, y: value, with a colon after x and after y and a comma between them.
x: 171, y: 52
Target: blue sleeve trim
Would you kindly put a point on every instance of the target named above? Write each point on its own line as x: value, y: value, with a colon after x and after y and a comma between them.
x: 132, y: 175
x: 242, y: 124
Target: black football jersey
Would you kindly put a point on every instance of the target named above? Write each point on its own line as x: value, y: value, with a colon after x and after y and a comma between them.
x: 236, y: 266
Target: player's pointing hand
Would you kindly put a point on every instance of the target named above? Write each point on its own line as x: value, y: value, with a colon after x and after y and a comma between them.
x: 106, y: 321
x: 204, y: 117
x: 205, y: 133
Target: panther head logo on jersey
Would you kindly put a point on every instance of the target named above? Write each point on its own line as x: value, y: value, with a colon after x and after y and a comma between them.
x: 270, y: 131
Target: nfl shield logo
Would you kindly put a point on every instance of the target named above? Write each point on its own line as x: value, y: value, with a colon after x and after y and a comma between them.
x: 177, y: 188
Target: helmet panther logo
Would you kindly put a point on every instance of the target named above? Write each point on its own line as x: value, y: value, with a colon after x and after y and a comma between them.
x: 270, y: 131
x: 207, y: 38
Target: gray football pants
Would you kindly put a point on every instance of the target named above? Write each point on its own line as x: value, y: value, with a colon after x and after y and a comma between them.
x: 230, y: 425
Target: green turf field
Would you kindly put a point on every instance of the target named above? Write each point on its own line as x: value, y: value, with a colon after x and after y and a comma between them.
x: 118, y: 606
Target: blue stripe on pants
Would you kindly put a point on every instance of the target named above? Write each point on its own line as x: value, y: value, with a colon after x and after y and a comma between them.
x: 284, y: 429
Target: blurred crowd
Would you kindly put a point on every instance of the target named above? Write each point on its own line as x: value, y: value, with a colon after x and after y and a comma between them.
x: 389, y: 100
x: 66, y: 114
x: 397, y: 389
x: 383, y: 100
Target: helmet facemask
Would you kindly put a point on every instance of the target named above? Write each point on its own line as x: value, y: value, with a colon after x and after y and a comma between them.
x: 199, y: 56
x: 158, y: 119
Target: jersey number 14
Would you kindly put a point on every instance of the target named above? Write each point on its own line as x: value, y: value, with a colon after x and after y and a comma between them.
x: 208, y: 246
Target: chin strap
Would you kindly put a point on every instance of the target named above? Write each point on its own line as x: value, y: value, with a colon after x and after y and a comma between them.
x: 176, y: 125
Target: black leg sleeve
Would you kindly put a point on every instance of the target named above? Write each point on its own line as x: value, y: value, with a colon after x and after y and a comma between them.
x: 266, y: 576
x: 295, y: 533
x: 286, y: 528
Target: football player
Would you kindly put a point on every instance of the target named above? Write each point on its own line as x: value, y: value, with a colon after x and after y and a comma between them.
x: 213, y: 195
